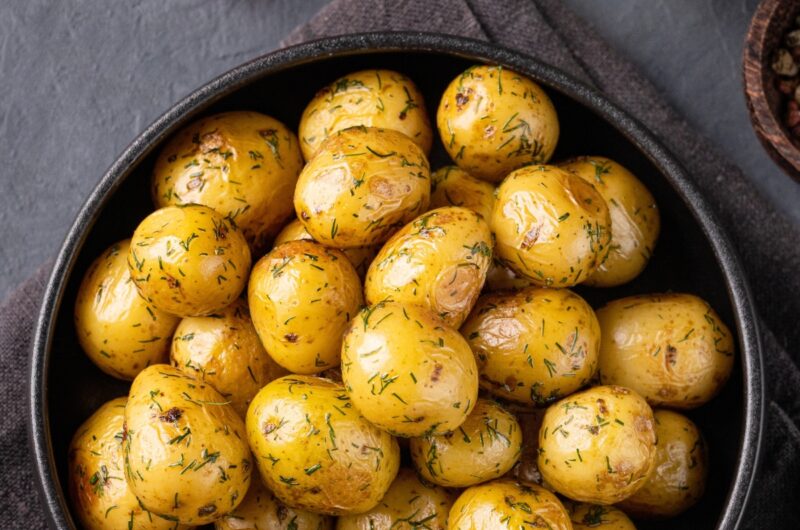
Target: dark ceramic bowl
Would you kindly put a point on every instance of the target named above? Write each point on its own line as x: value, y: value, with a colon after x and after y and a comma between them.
x: 693, y: 253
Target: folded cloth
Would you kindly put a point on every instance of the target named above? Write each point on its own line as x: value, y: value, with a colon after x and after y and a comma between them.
x: 768, y: 243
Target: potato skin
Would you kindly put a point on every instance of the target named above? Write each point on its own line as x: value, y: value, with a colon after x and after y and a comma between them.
x: 315, y: 451
x: 407, y: 371
x: 438, y: 261
x: 185, y: 453
x: 508, y: 504
x: 452, y: 186
x: 483, y: 448
x: 188, y: 260
x: 587, y: 516
x: 363, y: 184
x: 635, y: 221
x: 534, y: 346
x: 410, y: 503
x: 679, y: 479
x: 599, y: 445
x: 673, y: 349
x: 369, y: 98
x: 224, y: 350
x: 301, y: 297
x: 492, y: 121
x: 119, y: 331
x: 551, y: 226
x: 262, y: 510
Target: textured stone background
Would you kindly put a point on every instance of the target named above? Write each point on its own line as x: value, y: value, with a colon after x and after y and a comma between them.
x: 80, y: 78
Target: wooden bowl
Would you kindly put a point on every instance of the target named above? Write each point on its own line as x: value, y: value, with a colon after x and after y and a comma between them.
x: 770, y: 22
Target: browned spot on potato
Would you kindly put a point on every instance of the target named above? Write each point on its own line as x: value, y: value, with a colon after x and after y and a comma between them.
x: 281, y: 511
x: 208, y: 509
x: 643, y: 424
x: 489, y: 131
x: 672, y: 355
x: 531, y: 236
x: 269, y: 427
x: 511, y: 382
x: 291, y: 337
x: 619, y: 390
x: 211, y: 141
x: 437, y: 371
x: 315, y: 490
x: 172, y: 282
x: 601, y: 406
x: 666, y: 392
x: 594, y: 429
x: 462, y: 98
x: 172, y: 415
x: 304, y: 216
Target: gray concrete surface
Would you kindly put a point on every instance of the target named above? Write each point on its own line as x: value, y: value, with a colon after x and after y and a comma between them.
x: 80, y: 78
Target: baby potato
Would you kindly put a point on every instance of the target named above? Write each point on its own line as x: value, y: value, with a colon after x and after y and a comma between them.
x: 407, y: 371
x: 188, y: 260
x: 262, y: 510
x: 119, y: 331
x: 483, y: 448
x: 97, y: 485
x: 587, y: 516
x: 438, y: 261
x: 363, y: 184
x: 315, y: 451
x: 635, y: 221
x: 242, y: 164
x: 673, y: 349
x: 409, y: 503
x: 599, y: 445
x: 369, y: 98
x: 186, y: 457
x: 508, y: 504
x: 534, y: 346
x: 452, y: 186
x: 302, y: 296
x: 224, y: 350
x: 492, y: 121
x: 679, y: 479
x: 551, y: 226
x: 360, y: 257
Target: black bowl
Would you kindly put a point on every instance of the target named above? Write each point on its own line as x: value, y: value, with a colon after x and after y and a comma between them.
x: 693, y: 254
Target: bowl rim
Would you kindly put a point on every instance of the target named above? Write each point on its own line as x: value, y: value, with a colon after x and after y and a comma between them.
x: 54, y: 496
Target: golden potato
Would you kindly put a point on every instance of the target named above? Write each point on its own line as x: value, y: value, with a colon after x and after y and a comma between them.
x: 407, y: 371
x: 315, y: 451
x: 673, y: 349
x: 242, y: 164
x: 599, y: 445
x: 188, y: 260
x: 410, y: 503
x: 186, y: 457
x: 452, y: 186
x: 588, y: 516
x: 483, y: 448
x: 679, y: 479
x: 508, y: 504
x: 97, y: 486
x: 262, y: 510
x: 534, y: 346
x: 502, y: 278
x: 550, y: 226
x: 363, y: 184
x: 224, y: 350
x: 492, y: 121
x: 302, y: 296
x: 119, y: 331
x: 438, y: 261
x: 635, y: 221
x: 369, y: 98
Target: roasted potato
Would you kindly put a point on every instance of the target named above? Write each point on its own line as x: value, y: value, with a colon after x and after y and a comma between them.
x: 551, y: 226
x: 483, y: 448
x: 119, y: 331
x: 302, y: 296
x: 223, y: 350
x: 492, y: 121
x: 363, y: 185
x: 679, y: 479
x: 635, y: 221
x: 186, y: 457
x: 599, y: 445
x: 673, y: 349
x: 315, y: 451
x: 242, y: 164
x: 407, y: 371
x: 438, y: 261
x: 452, y: 186
x: 587, y: 516
x: 534, y: 346
x: 369, y: 98
x: 409, y: 503
x: 188, y: 260
x: 508, y: 504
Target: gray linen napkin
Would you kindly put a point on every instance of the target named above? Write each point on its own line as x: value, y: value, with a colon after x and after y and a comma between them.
x: 768, y: 243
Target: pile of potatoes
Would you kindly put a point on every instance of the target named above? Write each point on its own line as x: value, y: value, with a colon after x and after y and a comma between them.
x: 406, y: 352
